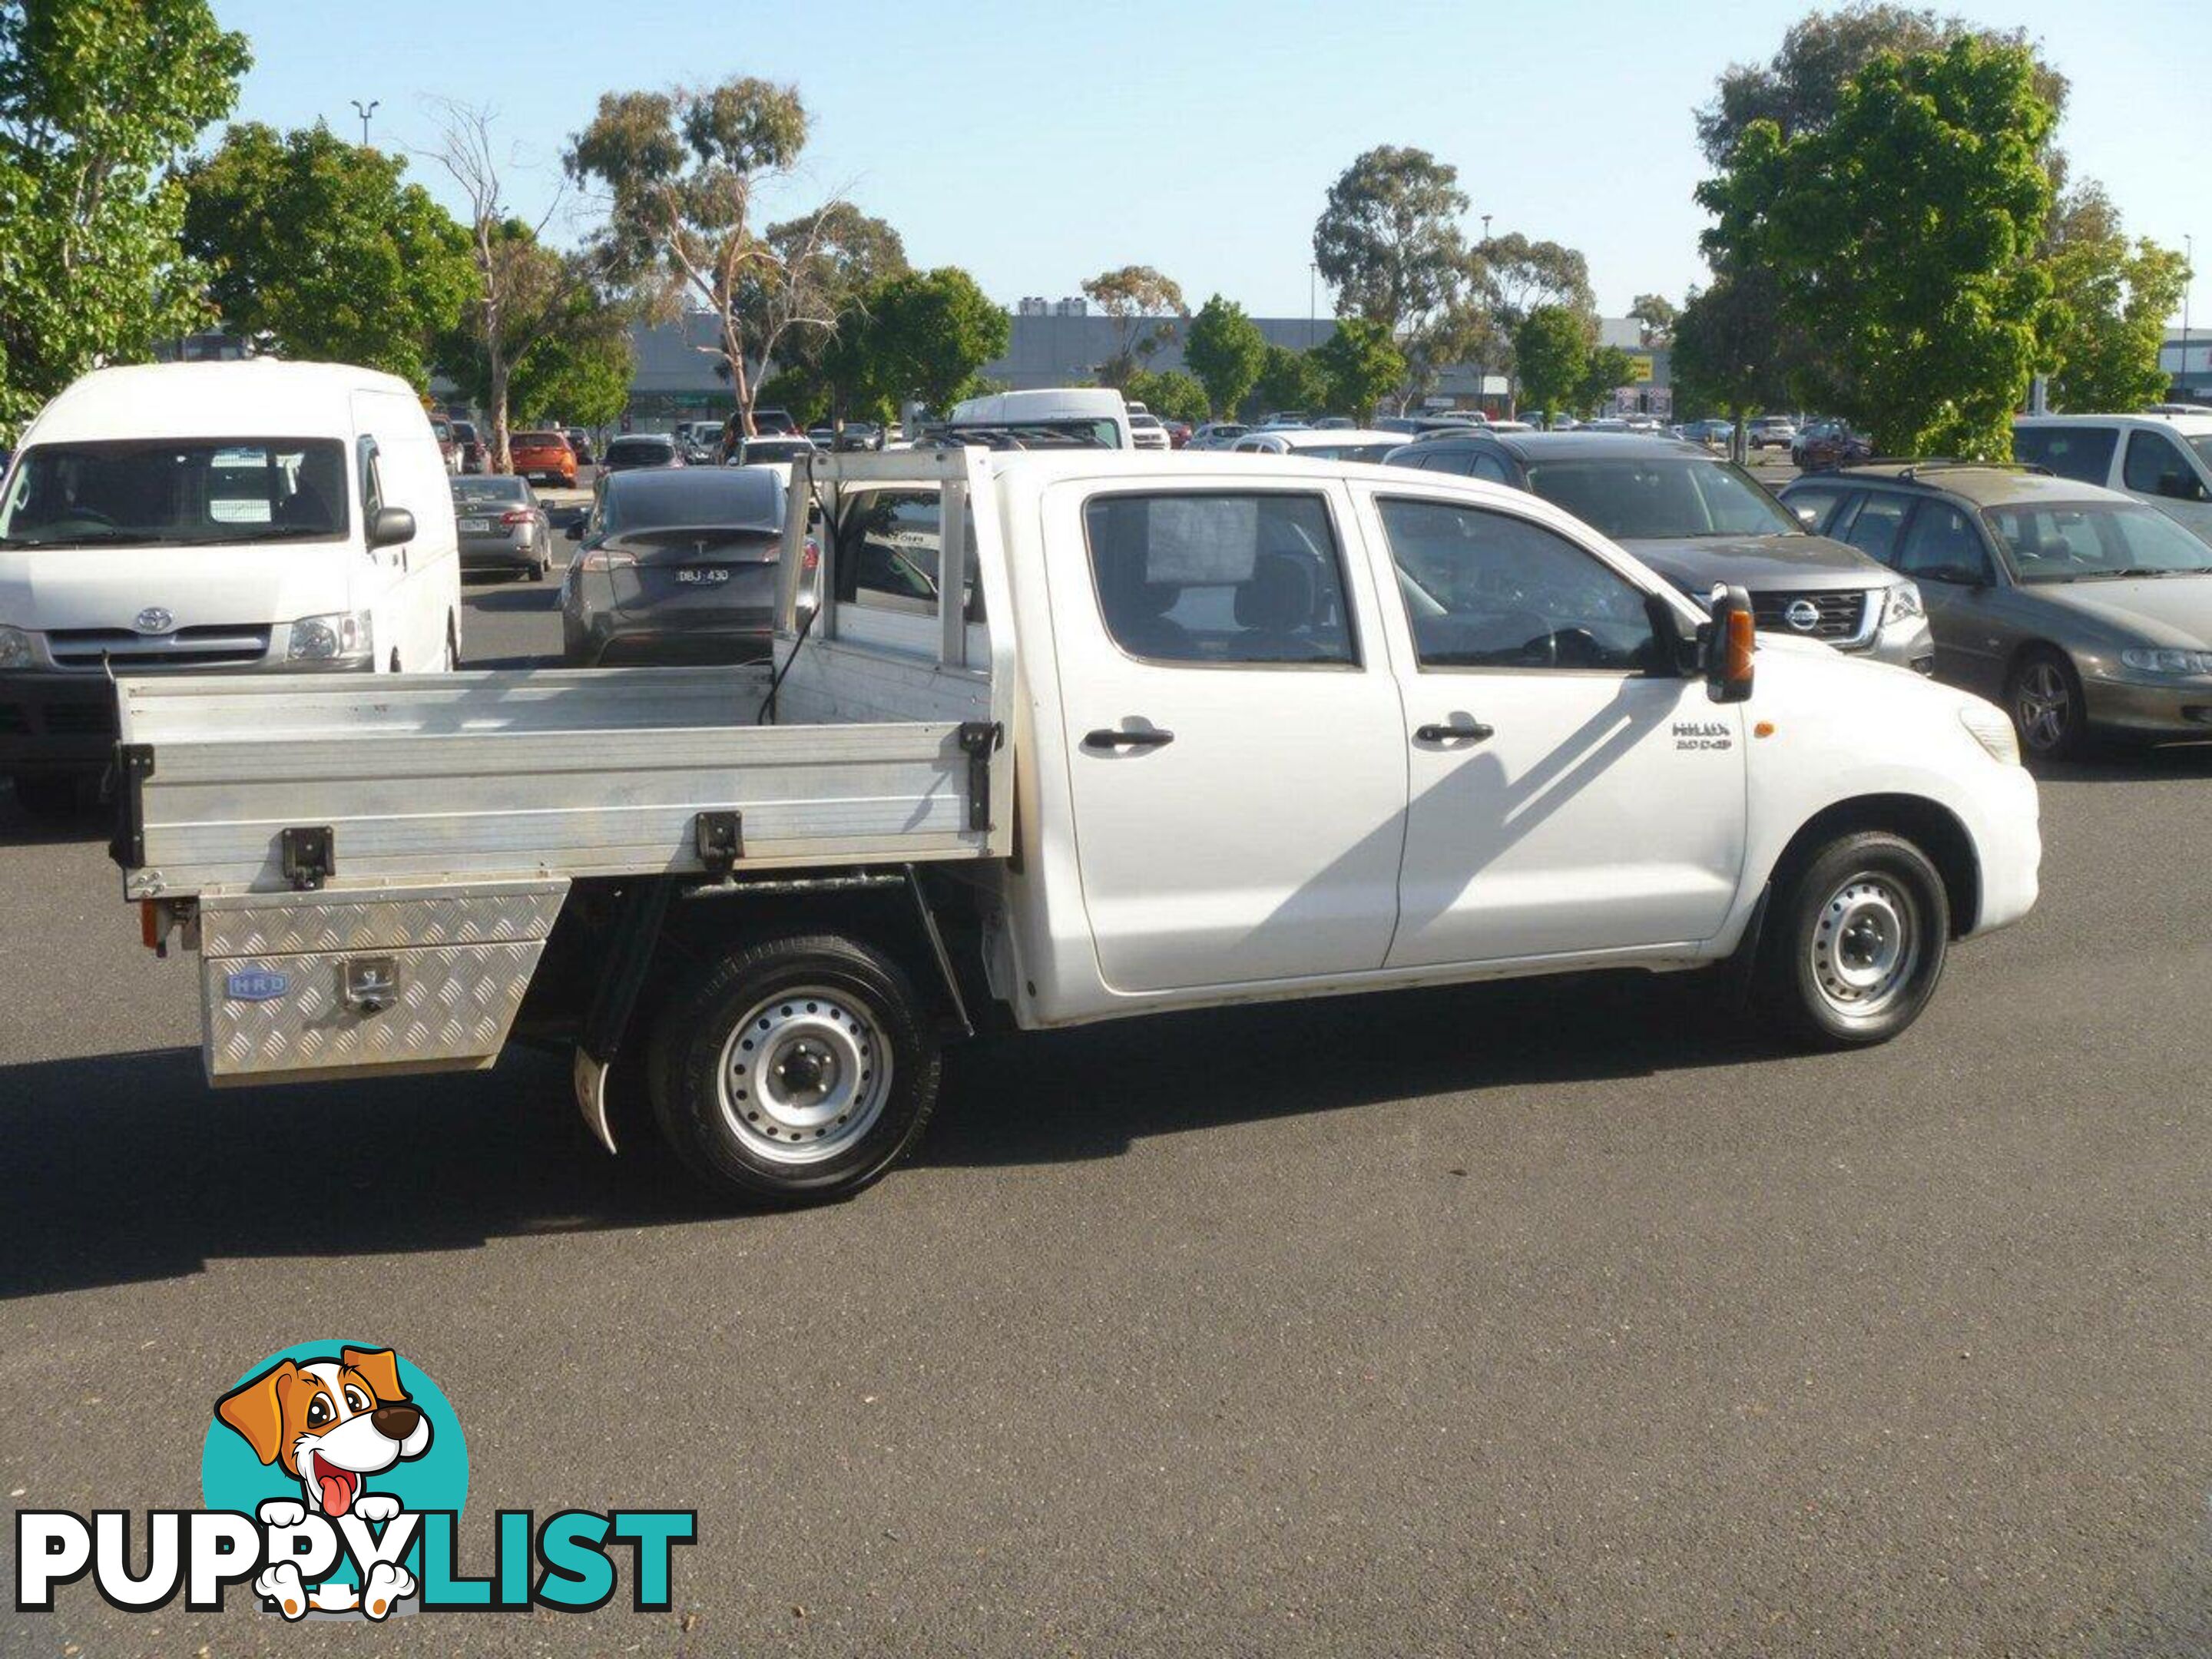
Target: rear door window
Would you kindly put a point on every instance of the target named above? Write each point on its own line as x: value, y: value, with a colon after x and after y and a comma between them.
x: 2083, y: 453
x: 1218, y: 579
x: 1875, y: 526
x: 1942, y: 545
x: 1818, y: 503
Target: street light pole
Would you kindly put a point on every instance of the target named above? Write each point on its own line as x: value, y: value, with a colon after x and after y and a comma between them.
x: 2189, y: 281
x: 1313, y: 304
x: 365, y: 111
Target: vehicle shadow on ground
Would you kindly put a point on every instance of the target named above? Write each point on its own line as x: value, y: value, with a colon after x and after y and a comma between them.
x: 2142, y: 763
x: 125, y: 1168
x: 514, y: 597
x: 95, y: 820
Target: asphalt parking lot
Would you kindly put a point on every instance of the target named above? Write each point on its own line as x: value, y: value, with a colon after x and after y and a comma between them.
x: 1560, y: 1317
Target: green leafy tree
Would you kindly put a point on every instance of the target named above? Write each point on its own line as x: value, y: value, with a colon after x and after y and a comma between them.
x: 1134, y: 296
x: 2106, y: 321
x: 1654, y: 315
x: 1389, y: 242
x: 577, y: 372
x: 320, y: 246
x: 1801, y: 88
x: 98, y: 99
x: 1360, y: 365
x: 921, y: 335
x: 1289, y: 381
x: 680, y: 171
x: 1552, y: 350
x: 1171, y: 394
x: 1604, y: 371
x: 1224, y: 349
x: 1903, y: 236
x: 1731, y: 349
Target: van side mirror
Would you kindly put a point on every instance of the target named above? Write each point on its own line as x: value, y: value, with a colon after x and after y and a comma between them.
x: 391, y: 526
x: 1727, y: 644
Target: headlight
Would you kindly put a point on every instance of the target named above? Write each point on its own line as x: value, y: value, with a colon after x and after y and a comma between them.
x: 2169, y: 662
x: 16, y: 650
x: 1992, y: 729
x: 1903, y: 604
x: 342, y: 636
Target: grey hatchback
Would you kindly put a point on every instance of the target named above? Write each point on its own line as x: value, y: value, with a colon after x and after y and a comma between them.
x: 2080, y: 609
x: 501, y: 527
x: 679, y: 566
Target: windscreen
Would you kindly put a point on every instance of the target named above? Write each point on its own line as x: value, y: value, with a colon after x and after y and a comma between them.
x: 1661, y: 499
x: 170, y: 492
x: 2084, y: 541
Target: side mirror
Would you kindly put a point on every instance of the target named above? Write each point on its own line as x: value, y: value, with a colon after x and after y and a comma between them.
x: 391, y: 526
x: 1728, y: 644
x: 1807, y: 516
x: 574, y: 530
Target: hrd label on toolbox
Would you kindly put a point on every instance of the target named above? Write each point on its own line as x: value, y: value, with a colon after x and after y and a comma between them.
x: 256, y: 985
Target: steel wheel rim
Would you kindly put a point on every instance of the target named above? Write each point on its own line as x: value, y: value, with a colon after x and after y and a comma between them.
x: 2043, y: 705
x: 804, y: 1075
x: 1866, y: 945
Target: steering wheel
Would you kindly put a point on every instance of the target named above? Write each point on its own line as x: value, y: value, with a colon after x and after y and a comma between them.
x: 1578, y: 647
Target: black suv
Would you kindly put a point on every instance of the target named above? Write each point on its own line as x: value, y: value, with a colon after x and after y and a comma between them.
x: 1699, y: 521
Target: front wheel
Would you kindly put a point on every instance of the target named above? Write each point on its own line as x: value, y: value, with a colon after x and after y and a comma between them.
x: 2043, y: 695
x: 797, y: 1070
x: 1856, y: 942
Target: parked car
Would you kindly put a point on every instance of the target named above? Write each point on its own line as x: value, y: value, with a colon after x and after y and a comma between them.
x: 449, y: 447
x: 1826, y: 445
x: 1330, y: 443
x: 542, y: 455
x: 676, y: 567
x: 474, y: 456
x: 635, y: 450
x: 784, y: 450
x: 1771, y: 432
x: 1714, y: 434
x: 1274, y: 731
x: 580, y: 441
x: 1216, y: 434
x: 232, y: 517
x: 1178, y: 434
x: 2083, y: 610
x: 1698, y: 520
x: 500, y: 527
x: 2165, y: 460
x: 1146, y: 431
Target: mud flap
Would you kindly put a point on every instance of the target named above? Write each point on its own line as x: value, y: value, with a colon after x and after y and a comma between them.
x: 590, y: 1078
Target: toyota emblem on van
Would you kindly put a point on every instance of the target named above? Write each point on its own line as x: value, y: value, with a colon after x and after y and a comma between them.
x: 152, y: 620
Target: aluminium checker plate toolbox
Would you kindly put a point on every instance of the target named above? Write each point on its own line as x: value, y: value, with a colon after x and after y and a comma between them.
x: 386, y: 978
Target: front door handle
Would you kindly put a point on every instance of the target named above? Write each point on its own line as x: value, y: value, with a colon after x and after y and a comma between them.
x: 1149, y: 737
x: 1468, y: 731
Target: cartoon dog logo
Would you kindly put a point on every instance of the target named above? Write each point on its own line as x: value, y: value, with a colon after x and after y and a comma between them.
x: 330, y: 1424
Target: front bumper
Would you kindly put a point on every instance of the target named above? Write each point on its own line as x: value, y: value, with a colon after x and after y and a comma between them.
x: 2008, y: 844
x: 2150, y: 708
x: 56, y: 722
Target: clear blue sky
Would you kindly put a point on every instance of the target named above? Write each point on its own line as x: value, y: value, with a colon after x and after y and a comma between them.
x: 1037, y: 145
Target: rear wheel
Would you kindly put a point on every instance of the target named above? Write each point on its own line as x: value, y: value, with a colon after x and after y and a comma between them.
x: 2043, y: 695
x: 1856, y: 942
x: 799, y: 1070
x: 48, y: 794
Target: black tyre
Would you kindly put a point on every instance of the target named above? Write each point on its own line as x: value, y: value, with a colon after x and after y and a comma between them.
x: 48, y: 795
x: 1854, y: 942
x: 797, y: 1070
x: 2043, y: 695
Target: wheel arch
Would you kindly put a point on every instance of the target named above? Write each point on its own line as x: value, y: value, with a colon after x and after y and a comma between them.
x: 1927, y: 824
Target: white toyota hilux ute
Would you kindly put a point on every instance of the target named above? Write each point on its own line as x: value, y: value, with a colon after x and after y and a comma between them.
x: 1067, y: 737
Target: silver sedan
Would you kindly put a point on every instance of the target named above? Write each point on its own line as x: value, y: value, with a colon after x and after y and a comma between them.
x: 501, y: 527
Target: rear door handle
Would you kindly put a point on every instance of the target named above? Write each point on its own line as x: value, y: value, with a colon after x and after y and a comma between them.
x: 1467, y: 731
x: 1150, y: 737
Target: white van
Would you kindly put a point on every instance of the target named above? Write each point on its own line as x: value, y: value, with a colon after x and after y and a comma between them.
x: 255, y: 516
x: 1093, y: 415
x: 2163, y: 460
